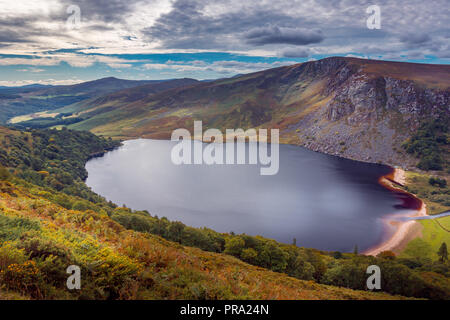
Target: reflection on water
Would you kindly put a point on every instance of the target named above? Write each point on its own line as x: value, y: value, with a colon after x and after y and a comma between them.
x: 324, y: 202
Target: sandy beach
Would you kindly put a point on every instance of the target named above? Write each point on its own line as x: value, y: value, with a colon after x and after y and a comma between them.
x: 401, y: 231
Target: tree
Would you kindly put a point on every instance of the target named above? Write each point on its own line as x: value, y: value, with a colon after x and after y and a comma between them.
x: 175, y: 231
x: 303, y: 269
x: 273, y: 257
x: 249, y: 255
x: 443, y: 253
x: 294, y: 242
x: 234, y: 246
x: 346, y: 274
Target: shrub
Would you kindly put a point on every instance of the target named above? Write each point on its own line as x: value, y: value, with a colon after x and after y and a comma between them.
x: 389, y: 255
x: 22, y: 277
x: 10, y: 254
x: 4, y: 173
x: 441, y: 183
x: 80, y: 206
x: 43, y: 248
x: 12, y: 228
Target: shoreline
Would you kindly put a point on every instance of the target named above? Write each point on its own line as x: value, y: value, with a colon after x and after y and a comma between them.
x: 401, y: 232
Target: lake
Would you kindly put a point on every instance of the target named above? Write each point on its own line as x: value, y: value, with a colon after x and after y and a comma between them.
x: 325, y: 202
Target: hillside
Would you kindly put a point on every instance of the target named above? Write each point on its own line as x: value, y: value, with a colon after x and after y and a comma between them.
x: 355, y: 108
x: 49, y: 219
x: 110, y: 101
x: 42, y: 239
x: 15, y: 101
x: 74, y: 112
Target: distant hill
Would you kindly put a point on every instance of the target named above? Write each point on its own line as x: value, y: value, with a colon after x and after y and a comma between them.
x: 16, y: 101
x: 128, y: 95
x: 33, y: 85
x: 356, y: 108
x: 100, y: 86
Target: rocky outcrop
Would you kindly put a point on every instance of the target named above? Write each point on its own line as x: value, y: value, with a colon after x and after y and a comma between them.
x: 362, y: 98
x: 369, y: 116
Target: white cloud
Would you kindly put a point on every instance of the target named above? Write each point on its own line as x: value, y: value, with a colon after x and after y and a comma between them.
x: 17, y: 83
x: 34, y: 70
x: 224, y: 67
x: 73, y: 59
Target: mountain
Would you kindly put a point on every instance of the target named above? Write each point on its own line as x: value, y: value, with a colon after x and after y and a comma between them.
x: 36, y: 98
x: 100, y: 86
x: 28, y: 86
x: 106, y: 102
x: 356, y: 108
x: 126, y: 96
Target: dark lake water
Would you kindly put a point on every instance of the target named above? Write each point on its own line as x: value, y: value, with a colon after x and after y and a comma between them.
x: 323, y: 201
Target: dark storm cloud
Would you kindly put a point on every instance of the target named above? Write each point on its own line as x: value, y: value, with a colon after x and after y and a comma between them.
x: 277, y: 35
x: 325, y: 25
x: 415, y: 38
x: 9, y: 35
x: 17, y: 29
x: 187, y: 27
x: 16, y: 21
x: 104, y: 10
x: 28, y: 26
x: 100, y: 27
x: 295, y: 53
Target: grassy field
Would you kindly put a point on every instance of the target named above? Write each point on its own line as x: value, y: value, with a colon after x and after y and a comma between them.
x: 437, y: 199
x: 37, y: 115
x: 434, y: 232
x: 427, y: 246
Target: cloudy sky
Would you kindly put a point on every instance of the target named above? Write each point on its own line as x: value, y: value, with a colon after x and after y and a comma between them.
x: 65, y: 41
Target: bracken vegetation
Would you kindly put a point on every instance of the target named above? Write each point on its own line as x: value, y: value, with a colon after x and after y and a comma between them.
x: 49, y: 220
x: 40, y: 239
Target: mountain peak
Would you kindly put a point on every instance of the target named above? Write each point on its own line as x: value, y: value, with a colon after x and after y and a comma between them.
x: 109, y: 79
